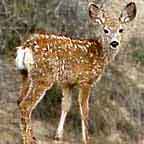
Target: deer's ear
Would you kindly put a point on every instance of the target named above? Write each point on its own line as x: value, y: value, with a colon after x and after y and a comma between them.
x: 128, y: 13
x: 95, y: 13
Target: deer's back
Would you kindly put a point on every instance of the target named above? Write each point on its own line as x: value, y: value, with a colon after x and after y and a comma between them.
x: 63, y: 59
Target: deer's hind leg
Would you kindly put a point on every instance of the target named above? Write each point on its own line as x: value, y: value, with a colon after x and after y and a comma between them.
x: 65, y: 107
x: 34, y: 94
x: 24, y: 85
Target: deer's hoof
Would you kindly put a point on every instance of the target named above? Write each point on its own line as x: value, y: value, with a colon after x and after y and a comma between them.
x: 57, y: 138
x: 33, y: 140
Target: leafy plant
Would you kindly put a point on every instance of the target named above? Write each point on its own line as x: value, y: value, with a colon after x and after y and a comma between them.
x: 138, y: 56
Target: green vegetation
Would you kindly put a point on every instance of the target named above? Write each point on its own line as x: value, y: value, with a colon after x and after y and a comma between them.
x: 137, y: 45
x: 139, y: 56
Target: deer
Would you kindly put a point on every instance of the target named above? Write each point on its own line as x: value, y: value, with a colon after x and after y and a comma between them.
x: 45, y: 59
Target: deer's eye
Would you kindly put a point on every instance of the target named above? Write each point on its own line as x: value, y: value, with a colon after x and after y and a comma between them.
x: 106, y: 31
x: 121, y: 30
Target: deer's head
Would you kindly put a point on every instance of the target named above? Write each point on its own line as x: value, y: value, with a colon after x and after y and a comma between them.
x: 112, y: 24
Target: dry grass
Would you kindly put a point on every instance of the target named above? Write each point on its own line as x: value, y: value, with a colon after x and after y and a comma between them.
x: 117, y: 102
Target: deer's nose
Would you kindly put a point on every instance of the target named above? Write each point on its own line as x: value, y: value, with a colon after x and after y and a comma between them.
x: 114, y: 44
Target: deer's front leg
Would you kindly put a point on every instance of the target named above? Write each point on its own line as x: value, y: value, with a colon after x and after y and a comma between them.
x: 66, y: 104
x: 84, y: 93
x: 34, y: 94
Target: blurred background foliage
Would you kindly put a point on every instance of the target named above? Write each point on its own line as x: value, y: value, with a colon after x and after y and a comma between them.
x: 117, y: 101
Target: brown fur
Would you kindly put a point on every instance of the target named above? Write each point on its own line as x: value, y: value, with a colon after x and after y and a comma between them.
x: 62, y: 60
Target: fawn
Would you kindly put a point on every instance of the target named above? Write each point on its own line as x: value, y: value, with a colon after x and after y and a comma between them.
x: 45, y: 59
